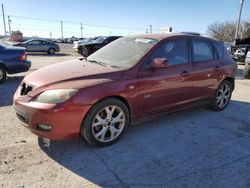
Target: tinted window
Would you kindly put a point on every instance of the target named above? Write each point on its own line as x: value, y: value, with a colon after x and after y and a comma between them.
x: 44, y: 42
x: 219, y: 49
x: 202, y: 51
x: 34, y: 42
x: 175, y: 51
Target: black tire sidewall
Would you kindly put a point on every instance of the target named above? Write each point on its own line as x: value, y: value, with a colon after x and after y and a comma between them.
x: 3, y: 70
x: 214, y: 103
x: 85, y: 51
x: 53, y: 52
x: 86, y: 129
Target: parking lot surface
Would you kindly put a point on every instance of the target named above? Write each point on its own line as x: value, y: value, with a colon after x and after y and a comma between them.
x: 191, y: 148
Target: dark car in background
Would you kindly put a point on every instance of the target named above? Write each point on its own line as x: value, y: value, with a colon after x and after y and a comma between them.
x: 89, y: 48
x: 12, y: 60
x: 82, y: 42
x: 38, y: 45
x: 247, y: 66
x: 239, y: 52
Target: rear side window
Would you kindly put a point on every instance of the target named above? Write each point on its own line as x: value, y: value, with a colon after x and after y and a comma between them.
x: 202, y: 51
x: 219, y: 48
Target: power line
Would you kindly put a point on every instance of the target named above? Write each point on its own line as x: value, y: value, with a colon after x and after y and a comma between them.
x: 77, y: 23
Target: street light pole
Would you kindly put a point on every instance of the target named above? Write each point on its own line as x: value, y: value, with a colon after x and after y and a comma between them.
x: 4, y: 24
x: 238, y: 23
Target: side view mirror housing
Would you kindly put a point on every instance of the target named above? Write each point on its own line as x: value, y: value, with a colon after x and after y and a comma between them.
x: 159, y: 63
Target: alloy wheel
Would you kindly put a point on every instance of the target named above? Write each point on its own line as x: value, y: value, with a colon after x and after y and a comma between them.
x: 108, y: 123
x: 223, y: 96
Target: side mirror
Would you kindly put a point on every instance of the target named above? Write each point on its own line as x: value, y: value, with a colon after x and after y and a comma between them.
x: 159, y: 63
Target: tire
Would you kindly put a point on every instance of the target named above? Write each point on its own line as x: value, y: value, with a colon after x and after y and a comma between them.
x: 79, y: 50
x: 51, y: 51
x: 105, y: 123
x: 246, y: 73
x: 2, y: 74
x: 85, y: 51
x: 222, y: 96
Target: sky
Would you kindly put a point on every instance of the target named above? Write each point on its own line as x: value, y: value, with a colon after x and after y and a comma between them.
x: 116, y: 17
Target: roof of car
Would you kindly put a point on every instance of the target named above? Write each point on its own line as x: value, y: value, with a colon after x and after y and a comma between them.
x: 159, y: 36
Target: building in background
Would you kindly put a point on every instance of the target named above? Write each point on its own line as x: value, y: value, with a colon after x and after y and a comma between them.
x: 16, y: 36
x: 166, y: 29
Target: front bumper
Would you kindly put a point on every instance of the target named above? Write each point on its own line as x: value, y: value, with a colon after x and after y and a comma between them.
x: 65, y: 118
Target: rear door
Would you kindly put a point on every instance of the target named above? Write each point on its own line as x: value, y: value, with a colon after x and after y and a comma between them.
x: 207, y: 67
x: 164, y: 88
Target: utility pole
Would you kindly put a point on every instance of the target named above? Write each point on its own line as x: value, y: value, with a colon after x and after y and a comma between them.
x: 4, y: 25
x: 238, y: 23
x: 81, y: 29
x: 50, y: 34
x: 62, y: 30
x: 9, y: 22
x: 150, y: 28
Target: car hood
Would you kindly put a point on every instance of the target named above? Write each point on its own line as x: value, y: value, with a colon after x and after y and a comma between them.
x: 75, y: 74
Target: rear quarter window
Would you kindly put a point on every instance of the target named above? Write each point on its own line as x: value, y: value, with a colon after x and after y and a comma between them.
x: 219, y: 49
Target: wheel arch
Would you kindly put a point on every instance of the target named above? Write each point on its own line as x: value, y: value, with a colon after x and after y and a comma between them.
x: 1, y: 64
x: 231, y: 80
x: 122, y: 99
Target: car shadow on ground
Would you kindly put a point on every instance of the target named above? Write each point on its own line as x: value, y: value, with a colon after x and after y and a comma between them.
x: 8, y: 88
x: 192, y: 148
x: 45, y: 54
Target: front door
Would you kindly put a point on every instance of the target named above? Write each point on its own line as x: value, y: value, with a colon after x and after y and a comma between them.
x: 161, y: 89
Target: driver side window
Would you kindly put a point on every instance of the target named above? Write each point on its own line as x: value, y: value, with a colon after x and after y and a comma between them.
x: 175, y: 51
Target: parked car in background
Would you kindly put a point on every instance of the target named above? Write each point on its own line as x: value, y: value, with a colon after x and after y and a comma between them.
x: 82, y: 42
x: 131, y: 79
x: 12, y: 60
x: 38, y: 45
x: 239, y: 52
x: 247, y: 66
x: 89, y: 48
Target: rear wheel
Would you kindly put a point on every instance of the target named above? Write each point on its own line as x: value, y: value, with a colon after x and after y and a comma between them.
x: 105, y: 123
x: 2, y: 73
x: 222, y: 96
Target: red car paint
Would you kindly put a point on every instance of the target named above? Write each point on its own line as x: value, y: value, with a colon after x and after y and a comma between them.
x: 147, y: 92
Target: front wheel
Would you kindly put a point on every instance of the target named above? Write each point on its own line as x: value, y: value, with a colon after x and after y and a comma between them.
x: 105, y: 123
x: 51, y: 51
x: 222, y: 96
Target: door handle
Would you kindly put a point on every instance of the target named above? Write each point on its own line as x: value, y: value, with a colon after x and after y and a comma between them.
x: 185, y: 73
x: 217, y: 68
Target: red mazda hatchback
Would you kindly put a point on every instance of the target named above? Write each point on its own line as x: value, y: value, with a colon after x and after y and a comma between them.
x: 130, y: 79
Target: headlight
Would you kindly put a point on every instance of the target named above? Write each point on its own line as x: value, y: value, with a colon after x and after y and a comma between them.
x: 55, y: 96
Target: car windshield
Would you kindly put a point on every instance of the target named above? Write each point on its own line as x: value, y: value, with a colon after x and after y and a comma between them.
x: 99, y: 40
x: 124, y: 52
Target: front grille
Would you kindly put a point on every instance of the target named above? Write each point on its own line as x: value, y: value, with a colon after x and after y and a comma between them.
x: 25, y: 89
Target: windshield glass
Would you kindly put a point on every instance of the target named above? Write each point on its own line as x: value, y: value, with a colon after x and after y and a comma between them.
x: 99, y: 40
x: 124, y: 52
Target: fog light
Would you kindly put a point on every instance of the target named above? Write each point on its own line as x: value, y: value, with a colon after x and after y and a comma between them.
x: 44, y: 127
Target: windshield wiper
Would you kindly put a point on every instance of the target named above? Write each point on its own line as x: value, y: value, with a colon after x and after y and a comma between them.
x: 98, y: 62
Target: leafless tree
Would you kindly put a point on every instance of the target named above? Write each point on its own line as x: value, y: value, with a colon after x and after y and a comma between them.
x: 225, y: 31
